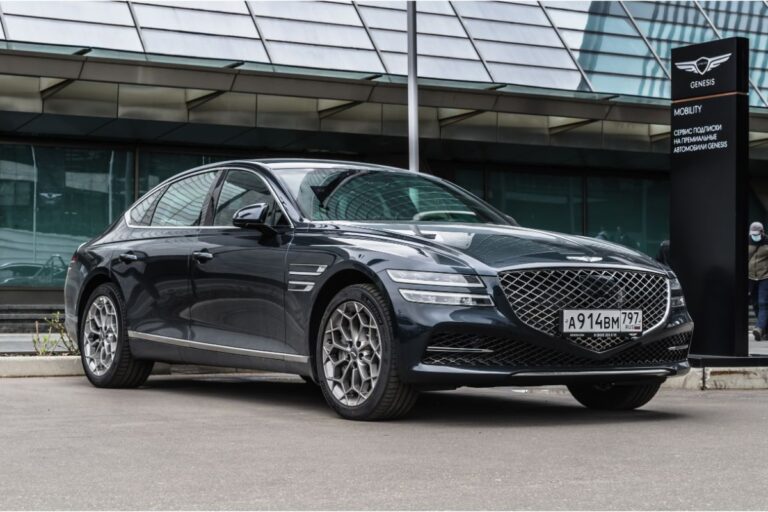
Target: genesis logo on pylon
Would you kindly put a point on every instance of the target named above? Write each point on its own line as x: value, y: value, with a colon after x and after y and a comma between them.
x: 702, y: 65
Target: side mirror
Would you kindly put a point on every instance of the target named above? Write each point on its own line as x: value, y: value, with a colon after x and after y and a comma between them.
x: 253, y: 216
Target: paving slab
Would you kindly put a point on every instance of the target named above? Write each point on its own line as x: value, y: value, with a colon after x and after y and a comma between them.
x: 270, y: 442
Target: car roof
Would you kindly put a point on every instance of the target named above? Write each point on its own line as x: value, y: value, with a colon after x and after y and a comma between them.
x: 275, y: 164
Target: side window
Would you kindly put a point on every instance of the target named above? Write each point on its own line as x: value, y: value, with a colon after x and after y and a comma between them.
x: 141, y: 213
x: 182, y: 203
x: 244, y: 188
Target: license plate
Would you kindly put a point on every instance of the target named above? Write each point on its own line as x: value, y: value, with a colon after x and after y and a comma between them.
x: 580, y: 321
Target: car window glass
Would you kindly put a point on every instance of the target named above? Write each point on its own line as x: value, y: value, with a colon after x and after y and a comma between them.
x: 182, y: 203
x: 365, y: 195
x: 141, y: 214
x: 241, y: 189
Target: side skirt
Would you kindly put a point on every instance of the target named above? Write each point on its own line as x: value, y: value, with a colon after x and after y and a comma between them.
x: 176, y: 350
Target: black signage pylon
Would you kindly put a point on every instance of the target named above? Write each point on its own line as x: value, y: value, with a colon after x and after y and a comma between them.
x: 709, y: 224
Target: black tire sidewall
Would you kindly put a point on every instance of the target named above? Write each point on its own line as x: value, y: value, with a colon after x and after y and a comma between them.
x: 111, y: 291
x: 383, y: 317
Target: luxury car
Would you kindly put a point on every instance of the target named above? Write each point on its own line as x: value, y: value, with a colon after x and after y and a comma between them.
x: 372, y: 282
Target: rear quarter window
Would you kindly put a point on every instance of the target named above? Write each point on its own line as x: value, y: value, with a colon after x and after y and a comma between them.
x: 141, y: 213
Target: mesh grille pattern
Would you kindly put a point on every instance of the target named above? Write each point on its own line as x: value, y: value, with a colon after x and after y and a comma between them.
x: 508, y: 352
x: 538, y: 296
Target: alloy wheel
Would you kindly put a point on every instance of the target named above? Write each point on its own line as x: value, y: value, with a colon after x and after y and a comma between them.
x: 100, y: 335
x: 351, y: 353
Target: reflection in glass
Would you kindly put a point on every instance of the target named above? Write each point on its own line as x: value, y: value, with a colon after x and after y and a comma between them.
x: 541, y: 201
x: 155, y: 167
x: 182, y: 202
x: 630, y: 212
x: 52, y: 199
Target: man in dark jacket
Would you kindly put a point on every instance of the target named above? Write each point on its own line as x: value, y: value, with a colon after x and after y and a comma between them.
x: 758, y: 278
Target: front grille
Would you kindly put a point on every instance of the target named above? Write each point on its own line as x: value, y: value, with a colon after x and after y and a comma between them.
x: 490, y: 351
x: 538, y: 297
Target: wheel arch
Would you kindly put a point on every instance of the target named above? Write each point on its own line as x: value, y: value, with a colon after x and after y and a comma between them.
x: 96, y: 279
x: 332, y: 285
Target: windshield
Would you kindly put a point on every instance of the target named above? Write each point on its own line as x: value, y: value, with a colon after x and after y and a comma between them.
x: 371, y: 195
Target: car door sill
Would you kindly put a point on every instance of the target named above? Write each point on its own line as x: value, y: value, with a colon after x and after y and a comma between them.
x: 295, y: 358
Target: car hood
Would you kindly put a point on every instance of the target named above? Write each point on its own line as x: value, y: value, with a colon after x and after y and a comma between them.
x: 499, y: 247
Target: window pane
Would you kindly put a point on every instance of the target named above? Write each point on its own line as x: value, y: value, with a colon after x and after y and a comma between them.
x: 157, y: 167
x: 503, y: 12
x: 540, y: 201
x: 39, y: 30
x: 634, y: 213
x: 241, y: 189
x: 52, y: 199
x: 182, y: 203
x: 188, y: 20
x: 141, y: 214
x: 471, y: 180
x: 116, y: 13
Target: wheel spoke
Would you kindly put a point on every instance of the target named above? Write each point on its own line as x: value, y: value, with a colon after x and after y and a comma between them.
x: 351, y: 353
x: 100, y: 335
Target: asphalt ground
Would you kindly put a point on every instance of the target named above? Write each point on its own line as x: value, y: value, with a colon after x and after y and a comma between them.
x: 270, y: 442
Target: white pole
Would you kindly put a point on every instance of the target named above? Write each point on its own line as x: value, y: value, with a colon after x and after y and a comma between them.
x: 413, y: 91
x: 34, y: 207
x: 109, y: 186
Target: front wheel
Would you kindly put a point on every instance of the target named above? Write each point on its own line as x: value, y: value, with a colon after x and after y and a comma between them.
x: 614, y: 397
x: 356, y: 357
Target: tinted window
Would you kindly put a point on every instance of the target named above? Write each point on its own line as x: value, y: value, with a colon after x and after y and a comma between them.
x: 141, y: 214
x: 368, y: 195
x: 241, y: 189
x: 182, y: 203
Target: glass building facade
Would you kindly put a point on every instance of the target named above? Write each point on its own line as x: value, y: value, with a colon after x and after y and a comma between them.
x: 538, y: 129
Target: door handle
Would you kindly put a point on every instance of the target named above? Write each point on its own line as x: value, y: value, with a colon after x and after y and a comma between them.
x: 202, y: 256
x: 128, y: 257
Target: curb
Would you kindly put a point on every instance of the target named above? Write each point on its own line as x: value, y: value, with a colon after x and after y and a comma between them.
x: 40, y: 366
x: 70, y: 366
x: 714, y: 378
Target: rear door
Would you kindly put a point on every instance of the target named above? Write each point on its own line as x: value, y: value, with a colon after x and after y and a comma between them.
x: 152, y: 266
x: 238, y: 275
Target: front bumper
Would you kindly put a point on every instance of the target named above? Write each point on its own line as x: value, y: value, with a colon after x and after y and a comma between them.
x: 508, y: 352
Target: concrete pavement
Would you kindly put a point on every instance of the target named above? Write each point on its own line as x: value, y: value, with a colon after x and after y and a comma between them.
x: 233, y: 442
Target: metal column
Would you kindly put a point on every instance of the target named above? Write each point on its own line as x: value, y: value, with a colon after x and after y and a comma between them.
x: 413, y: 91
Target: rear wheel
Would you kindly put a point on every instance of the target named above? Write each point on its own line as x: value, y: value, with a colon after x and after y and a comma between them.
x: 104, y: 349
x: 357, y: 357
x: 614, y: 397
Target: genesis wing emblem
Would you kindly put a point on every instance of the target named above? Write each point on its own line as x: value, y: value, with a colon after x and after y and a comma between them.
x: 585, y: 259
x: 702, y: 65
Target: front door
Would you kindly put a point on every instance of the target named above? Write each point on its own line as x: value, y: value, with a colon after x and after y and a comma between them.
x: 238, y: 276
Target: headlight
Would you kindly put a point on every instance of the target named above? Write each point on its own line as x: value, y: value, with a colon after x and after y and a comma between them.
x: 446, y: 299
x: 434, y: 278
x: 674, y: 286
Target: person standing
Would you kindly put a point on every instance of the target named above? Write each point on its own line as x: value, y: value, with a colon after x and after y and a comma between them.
x: 758, y: 278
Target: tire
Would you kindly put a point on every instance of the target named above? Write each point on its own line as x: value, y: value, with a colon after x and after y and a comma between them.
x: 382, y: 398
x: 611, y: 397
x: 118, y: 369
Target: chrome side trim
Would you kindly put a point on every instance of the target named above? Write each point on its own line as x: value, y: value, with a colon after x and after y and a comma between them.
x: 607, y: 373
x: 300, y: 286
x: 466, y: 350
x: 219, y: 348
x: 307, y: 269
